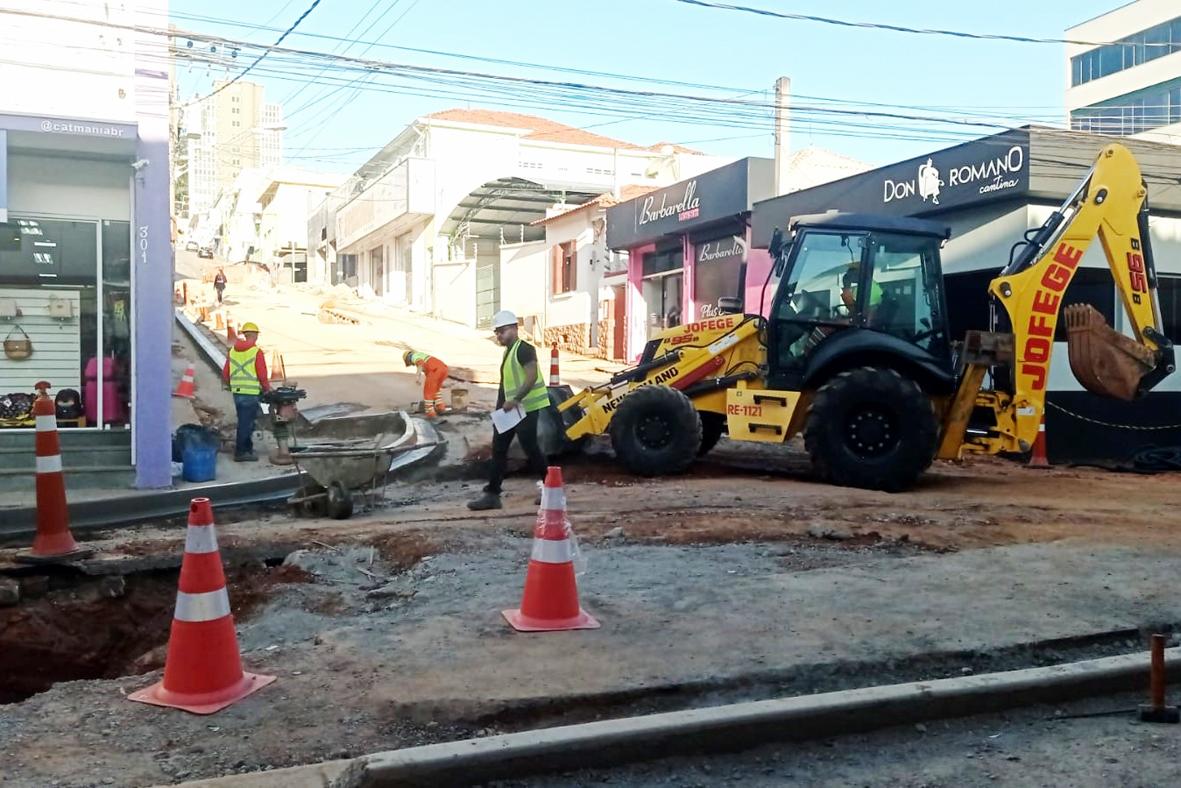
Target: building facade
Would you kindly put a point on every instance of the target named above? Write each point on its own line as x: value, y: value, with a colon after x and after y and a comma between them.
x: 990, y: 193
x: 569, y: 288
x: 687, y: 247
x: 1132, y: 85
x: 85, y: 247
x: 234, y: 129
x: 422, y: 223
x: 262, y: 217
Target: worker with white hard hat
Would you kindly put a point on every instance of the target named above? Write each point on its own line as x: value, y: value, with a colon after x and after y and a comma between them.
x: 521, y: 385
x: 245, y: 374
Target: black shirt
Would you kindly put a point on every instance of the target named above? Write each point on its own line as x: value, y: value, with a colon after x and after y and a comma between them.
x: 526, y: 354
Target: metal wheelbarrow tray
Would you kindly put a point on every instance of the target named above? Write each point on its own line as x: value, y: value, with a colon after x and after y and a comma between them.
x: 331, y: 471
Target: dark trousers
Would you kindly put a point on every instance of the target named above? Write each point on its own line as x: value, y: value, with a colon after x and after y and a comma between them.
x: 526, y: 433
x: 219, y: 290
x: 247, y: 407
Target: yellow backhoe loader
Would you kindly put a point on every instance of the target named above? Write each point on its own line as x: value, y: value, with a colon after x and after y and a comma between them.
x: 855, y: 352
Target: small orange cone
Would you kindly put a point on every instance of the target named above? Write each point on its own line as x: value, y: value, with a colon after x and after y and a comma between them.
x: 219, y: 323
x: 278, y: 370
x: 1037, y: 458
x: 203, y: 670
x: 186, y: 388
x: 550, y: 600
x: 53, y: 540
x: 231, y: 334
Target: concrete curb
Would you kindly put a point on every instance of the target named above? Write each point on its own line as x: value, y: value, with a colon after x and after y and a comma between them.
x: 722, y: 728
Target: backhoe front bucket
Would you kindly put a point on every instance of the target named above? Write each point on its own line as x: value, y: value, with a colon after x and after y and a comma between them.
x: 1103, y: 360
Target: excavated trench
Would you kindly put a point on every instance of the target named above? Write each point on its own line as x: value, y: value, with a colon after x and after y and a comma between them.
x: 70, y: 627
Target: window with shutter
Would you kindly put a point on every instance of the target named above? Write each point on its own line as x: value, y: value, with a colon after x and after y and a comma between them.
x: 555, y: 269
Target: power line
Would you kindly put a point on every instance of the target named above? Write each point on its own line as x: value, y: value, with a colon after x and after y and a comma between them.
x: 259, y: 59
x: 902, y: 28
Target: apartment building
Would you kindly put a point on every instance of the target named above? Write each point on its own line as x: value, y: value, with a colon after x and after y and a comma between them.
x: 1130, y: 83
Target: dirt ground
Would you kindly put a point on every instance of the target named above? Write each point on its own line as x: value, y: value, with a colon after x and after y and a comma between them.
x: 741, y: 579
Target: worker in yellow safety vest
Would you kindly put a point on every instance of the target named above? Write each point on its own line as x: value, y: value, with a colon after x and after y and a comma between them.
x: 245, y: 374
x: 521, y: 386
x: 435, y: 372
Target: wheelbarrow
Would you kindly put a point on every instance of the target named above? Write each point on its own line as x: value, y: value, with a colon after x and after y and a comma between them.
x: 332, y: 472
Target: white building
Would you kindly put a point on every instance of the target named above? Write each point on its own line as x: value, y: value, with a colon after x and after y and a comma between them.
x: 423, y: 221
x: 85, y: 253
x: 563, y: 287
x: 1133, y: 87
x: 231, y: 131
x: 263, y: 216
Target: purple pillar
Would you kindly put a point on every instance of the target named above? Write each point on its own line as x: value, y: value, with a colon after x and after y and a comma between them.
x: 152, y: 261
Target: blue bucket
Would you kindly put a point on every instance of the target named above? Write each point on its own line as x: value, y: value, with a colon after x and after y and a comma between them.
x: 199, y: 462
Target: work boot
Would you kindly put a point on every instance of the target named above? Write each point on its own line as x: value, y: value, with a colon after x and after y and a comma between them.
x: 486, y: 501
x: 248, y: 457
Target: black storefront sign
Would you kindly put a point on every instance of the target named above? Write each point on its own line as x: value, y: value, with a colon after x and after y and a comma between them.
x: 985, y: 170
x: 718, y: 194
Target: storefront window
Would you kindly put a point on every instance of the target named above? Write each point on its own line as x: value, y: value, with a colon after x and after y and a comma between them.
x: 49, y: 311
x: 662, y: 288
x: 717, y: 273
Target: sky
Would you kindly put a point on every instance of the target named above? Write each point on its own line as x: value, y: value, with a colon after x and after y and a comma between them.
x: 333, y: 130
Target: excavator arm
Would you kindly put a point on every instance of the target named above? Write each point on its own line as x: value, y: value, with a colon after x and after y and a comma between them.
x: 1110, y: 203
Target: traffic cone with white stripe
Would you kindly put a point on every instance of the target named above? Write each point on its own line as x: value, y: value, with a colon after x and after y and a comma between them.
x: 53, y: 540
x: 1037, y: 458
x: 550, y: 600
x: 553, y: 366
x: 203, y: 670
x: 186, y: 389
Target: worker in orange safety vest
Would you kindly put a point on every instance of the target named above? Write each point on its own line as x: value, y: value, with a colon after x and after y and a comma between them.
x: 435, y: 373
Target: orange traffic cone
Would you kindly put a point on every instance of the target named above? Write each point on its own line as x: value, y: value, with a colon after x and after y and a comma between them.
x: 278, y: 370
x: 1037, y: 458
x: 53, y: 540
x: 553, y: 366
x: 219, y: 323
x: 186, y: 388
x: 550, y: 601
x: 231, y: 334
x: 203, y: 670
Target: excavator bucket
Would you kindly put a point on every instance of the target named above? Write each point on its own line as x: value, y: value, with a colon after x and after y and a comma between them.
x: 1104, y: 361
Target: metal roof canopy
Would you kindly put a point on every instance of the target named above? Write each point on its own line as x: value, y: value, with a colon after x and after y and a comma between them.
x: 511, y: 205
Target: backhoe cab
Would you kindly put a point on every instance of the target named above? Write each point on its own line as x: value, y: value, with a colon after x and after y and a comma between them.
x: 855, y: 352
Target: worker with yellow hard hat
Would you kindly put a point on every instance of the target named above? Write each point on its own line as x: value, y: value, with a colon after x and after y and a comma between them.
x: 435, y: 372
x: 245, y: 373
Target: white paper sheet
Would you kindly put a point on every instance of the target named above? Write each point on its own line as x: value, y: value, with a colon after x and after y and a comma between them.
x: 503, y: 420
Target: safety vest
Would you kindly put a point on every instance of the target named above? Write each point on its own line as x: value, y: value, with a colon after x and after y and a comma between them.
x: 418, y: 357
x: 243, y: 375
x: 512, y: 376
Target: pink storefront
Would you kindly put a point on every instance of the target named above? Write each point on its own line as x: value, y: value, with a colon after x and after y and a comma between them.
x: 688, y: 246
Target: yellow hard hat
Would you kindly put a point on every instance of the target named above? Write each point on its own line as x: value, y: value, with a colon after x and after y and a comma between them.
x: 246, y: 327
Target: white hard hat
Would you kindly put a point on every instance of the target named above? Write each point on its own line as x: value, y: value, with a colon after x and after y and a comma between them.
x: 503, y: 318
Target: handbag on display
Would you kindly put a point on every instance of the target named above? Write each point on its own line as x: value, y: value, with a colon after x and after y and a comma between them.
x: 68, y: 404
x: 20, y: 348
x: 16, y: 407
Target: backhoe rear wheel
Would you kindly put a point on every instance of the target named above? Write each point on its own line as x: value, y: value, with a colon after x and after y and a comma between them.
x: 655, y: 431
x: 871, y: 428
x: 713, y: 425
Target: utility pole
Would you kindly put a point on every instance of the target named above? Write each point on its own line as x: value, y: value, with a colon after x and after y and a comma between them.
x: 782, y: 125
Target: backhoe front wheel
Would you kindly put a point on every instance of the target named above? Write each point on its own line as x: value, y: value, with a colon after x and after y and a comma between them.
x: 655, y: 431
x: 871, y: 428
